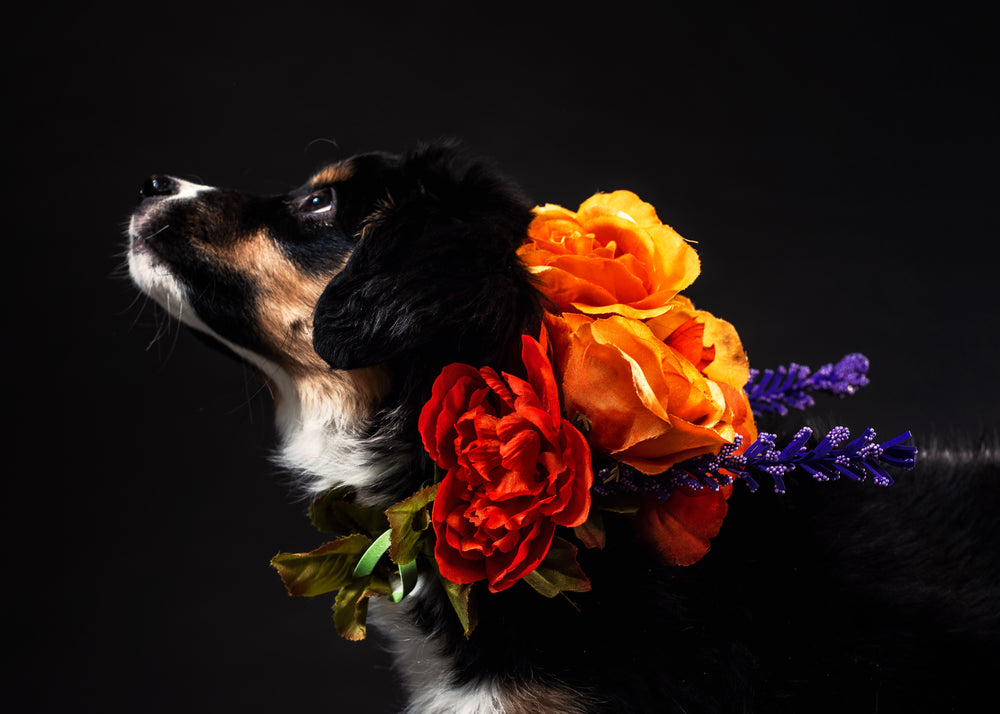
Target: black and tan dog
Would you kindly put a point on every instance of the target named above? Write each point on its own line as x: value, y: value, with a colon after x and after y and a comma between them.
x: 348, y: 296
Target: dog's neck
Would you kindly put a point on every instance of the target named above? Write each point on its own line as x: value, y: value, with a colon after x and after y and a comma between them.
x: 324, y: 419
x: 328, y: 433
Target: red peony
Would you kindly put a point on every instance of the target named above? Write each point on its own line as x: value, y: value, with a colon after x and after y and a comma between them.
x: 515, y: 469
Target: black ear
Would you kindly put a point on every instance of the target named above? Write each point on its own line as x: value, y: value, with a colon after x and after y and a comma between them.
x: 436, y: 278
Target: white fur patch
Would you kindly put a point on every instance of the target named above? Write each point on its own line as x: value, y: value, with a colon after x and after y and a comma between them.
x: 323, y: 442
x: 155, y: 279
x: 428, y: 674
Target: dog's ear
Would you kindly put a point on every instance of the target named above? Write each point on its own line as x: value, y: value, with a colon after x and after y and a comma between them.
x: 435, y: 277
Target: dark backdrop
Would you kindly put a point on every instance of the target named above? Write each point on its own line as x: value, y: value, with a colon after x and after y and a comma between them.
x: 838, y: 169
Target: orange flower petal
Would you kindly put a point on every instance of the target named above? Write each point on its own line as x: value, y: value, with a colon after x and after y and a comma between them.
x: 681, y: 528
x: 729, y: 362
x: 742, y: 417
x: 683, y: 441
x: 650, y: 306
x: 621, y: 202
x: 599, y: 277
x: 597, y: 382
x: 689, y: 341
x: 730, y: 365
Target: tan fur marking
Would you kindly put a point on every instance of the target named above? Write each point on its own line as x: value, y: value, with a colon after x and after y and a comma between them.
x: 341, y: 171
x: 538, y: 698
x: 382, y: 209
x: 287, y: 299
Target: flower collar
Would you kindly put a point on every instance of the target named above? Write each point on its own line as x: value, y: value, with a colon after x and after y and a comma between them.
x: 629, y: 400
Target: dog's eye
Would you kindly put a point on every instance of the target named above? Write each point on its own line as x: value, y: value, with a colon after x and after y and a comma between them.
x: 318, y: 202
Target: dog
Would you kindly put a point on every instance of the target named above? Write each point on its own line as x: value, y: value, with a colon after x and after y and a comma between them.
x: 348, y: 295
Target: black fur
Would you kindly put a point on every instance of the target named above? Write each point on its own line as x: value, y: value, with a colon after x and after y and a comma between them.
x: 834, y: 597
x: 436, y: 278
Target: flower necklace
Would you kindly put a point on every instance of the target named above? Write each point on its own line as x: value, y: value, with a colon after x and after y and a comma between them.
x: 629, y: 400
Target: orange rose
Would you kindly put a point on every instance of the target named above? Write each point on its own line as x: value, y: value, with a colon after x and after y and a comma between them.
x: 612, y: 256
x: 654, y: 394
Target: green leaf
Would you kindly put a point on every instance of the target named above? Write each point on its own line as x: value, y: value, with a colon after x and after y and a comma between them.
x: 350, y: 607
x: 350, y: 610
x: 329, y: 567
x: 592, y: 533
x: 409, y: 521
x: 336, y: 512
x: 559, y: 572
x: 460, y: 597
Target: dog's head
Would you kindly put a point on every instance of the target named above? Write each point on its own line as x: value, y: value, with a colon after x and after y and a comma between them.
x: 355, y: 288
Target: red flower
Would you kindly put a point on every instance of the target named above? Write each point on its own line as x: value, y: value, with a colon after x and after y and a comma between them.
x: 515, y: 469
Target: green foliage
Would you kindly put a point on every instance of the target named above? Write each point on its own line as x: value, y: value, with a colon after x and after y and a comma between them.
x: 350, y: 608
x: 334, y: 566
x: 559, y: 572
x: 328, y: 568
x: 336, y: 512
x: 592, y: 533
x: 409, y: 521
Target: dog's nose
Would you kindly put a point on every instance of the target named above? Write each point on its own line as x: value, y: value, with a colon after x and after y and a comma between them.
x: 158, y: 186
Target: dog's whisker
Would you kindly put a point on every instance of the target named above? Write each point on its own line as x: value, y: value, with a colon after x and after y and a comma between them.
x: 136, y: 303
x: 156, y: 232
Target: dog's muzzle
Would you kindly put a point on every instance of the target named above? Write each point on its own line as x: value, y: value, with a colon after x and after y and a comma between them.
x: 156, y: 193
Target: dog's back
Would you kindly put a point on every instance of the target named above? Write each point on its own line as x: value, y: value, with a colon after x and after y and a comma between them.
x: 829, y: 598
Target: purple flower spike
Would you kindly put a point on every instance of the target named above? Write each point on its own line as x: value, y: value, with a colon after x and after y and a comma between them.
x: 835, y: 456
x: 789, y: 387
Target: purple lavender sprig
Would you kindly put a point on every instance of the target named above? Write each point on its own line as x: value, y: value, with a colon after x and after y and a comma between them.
x: 836, y: 455
x: 789, y: 387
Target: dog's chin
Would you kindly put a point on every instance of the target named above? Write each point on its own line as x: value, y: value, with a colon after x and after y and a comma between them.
x: 155, y: 278
x: 321, y: 422
x: 152, y: 276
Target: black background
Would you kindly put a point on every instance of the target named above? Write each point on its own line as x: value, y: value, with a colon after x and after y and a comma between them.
x: 837, y: 168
